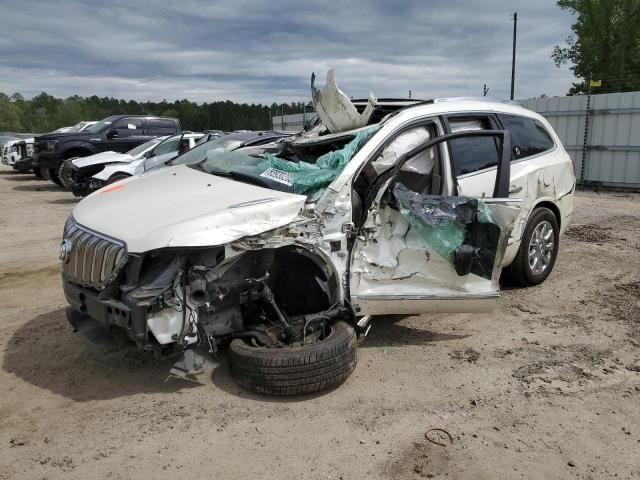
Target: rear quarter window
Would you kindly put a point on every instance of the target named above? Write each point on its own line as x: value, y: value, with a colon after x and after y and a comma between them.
x: 528, y: 136
x: 162, y: 126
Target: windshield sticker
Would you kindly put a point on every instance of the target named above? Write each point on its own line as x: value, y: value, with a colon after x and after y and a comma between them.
x: 279, y: 176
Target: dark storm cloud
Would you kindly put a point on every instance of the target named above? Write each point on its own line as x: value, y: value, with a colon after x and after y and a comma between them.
x: 266, y: 51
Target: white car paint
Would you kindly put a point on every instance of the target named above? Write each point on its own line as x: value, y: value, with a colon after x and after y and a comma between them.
x: 110, y: 157
x: 212, y: 211
x: 9, y: 152
x: 147, y: 159
x: 390, y: 268
x: 548, y: 177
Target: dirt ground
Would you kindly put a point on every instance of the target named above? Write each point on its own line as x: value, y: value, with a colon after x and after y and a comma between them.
x: 546, y: 387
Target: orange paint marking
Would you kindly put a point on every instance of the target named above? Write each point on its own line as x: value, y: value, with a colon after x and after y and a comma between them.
x: 111, y: 189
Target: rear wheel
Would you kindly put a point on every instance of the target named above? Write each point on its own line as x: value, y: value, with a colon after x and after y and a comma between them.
x: 45, y: 174
x: 295, y: 370
x: 538, y: 249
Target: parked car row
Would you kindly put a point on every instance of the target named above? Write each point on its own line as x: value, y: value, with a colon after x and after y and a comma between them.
x: 16, y: 149
x: 282, y: 248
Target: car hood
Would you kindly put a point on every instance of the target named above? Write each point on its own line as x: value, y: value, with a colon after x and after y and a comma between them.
x: 183, y: 207
x: 103, y: 157
x: 68, y: 136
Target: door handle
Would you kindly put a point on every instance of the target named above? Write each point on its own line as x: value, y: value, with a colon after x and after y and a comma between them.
x: 515, y: 190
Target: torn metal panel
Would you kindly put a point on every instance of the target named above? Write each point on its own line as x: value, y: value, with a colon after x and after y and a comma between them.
x: 313, y: 139
x: 395, y: 250
x: 460, y: 229
x: 335, y: 109
x: 417, y: 271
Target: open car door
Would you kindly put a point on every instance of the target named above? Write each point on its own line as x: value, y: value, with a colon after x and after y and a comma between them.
x: 420, y: 252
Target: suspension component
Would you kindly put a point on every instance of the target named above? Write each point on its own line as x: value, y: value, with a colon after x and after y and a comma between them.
x: 265, y: 294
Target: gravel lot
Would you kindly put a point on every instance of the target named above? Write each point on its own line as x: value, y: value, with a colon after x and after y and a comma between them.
x: 548, y: 386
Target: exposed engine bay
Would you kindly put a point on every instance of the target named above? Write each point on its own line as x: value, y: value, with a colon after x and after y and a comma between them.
x: 200, y: 298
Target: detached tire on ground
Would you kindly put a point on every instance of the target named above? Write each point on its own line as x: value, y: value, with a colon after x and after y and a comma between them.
x: 293, y: 371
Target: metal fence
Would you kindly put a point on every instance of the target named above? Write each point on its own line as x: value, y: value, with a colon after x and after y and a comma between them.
x: 601, y: 133
x: 293, y: 122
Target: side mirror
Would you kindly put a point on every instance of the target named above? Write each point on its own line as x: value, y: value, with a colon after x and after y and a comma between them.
x: 112, y: 133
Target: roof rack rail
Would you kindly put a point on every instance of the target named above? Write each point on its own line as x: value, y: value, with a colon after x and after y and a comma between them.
x: 477, y: 99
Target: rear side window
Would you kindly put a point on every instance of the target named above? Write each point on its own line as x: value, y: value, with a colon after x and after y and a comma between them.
x: 528, y: 136
x: 473, y: 153
x: 161, y: 126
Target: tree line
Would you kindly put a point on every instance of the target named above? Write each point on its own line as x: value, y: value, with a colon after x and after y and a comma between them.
x: 604, y: 46
x: 44, y: 113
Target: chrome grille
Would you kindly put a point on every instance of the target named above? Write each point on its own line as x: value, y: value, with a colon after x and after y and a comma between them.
x: 92, y: 259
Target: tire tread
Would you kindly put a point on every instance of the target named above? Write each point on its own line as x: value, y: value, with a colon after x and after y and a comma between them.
x: 296, y: 370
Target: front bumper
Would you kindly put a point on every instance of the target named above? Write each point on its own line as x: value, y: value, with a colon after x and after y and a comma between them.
x: 82, y: 181
x: 107, y: 312
x: 24, y: 165
x: 46, y: 160
x: 82, y: 189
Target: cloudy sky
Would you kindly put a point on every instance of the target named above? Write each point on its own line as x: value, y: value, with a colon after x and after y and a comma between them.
x: 265, y: 51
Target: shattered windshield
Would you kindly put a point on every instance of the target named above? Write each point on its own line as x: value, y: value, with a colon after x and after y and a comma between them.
x: 296, y: 171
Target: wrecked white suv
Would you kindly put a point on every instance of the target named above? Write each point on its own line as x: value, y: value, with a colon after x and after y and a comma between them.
x: 284, y: 257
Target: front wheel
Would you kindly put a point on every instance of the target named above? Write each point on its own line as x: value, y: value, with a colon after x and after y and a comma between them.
x: 53, y: 176
x: 538, y: 249
x: 116, y: 177
x: 37, y: 172
x: 64, y: 173
x: 297, y: 370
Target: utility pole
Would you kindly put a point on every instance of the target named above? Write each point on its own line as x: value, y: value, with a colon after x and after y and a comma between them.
x: 513, y: 56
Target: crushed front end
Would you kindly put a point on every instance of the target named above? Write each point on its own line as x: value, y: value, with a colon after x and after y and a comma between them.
x: 80, y: 179
x: 170, y: 299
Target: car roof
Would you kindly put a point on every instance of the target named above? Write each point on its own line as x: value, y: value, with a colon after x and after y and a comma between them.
x: 125, y: 115
x: 444, y: 105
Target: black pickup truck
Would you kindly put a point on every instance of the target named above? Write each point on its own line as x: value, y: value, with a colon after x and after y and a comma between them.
x: 117, y: 133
